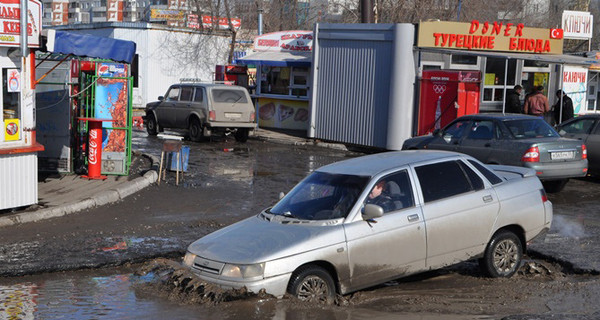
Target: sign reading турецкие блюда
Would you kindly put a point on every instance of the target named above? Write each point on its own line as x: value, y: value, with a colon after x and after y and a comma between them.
x: 489, y: 36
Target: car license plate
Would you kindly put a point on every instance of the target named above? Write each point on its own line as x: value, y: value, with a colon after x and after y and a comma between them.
x: 562, y: 155
x: 233, y: 115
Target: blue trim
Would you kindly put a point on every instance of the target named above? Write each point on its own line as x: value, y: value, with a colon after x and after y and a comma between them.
x: 277, y: 63
x: 92, y: 46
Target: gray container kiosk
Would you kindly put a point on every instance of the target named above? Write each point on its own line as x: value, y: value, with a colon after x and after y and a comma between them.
x: 363, y: 78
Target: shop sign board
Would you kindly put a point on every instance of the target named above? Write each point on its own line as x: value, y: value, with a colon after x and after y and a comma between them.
x: 10, y: 27
x: 222, y: 23
x: 163, y: 14
x: 577, y: 24
x: 291, y: 41
x: 489, y: 36
x: 575, y: 86
x: 14, y: 80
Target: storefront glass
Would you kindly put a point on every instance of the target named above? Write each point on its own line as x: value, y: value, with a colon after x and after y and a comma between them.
x: 494, y: 86
x: 11, y: 113
x: 289, y: 81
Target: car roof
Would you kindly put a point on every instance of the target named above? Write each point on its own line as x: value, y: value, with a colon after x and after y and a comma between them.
x: 499, y: 116
x: 207, y: 85
x: 374, y: 164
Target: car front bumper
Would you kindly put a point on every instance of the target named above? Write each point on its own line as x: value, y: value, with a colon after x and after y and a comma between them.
x: 559, y: 170
x: 276, y: 285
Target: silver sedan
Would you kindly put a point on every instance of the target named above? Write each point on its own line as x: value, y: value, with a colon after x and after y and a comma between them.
x: 360, y: 222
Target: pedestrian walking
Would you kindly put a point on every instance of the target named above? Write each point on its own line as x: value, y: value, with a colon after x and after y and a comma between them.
x: 513, y: 100
x: 562, y: 112
x: 536, y: 104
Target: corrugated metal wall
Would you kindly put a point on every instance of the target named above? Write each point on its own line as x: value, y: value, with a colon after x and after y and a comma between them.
x: 18, y: 180
x: 355, y: 79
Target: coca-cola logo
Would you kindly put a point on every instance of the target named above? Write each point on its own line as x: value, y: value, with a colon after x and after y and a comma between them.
x: 93, y: 149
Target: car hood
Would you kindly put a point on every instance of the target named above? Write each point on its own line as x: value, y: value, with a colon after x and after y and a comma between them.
x: 256, y: 240
x: 416, y: 142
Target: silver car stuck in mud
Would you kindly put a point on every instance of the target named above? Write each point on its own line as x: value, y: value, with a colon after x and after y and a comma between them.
x: 363, y: 221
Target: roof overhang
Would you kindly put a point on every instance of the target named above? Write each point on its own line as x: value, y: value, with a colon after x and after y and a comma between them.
x: 85, y: 45
x: 278, y: 58
x: 549, y: 58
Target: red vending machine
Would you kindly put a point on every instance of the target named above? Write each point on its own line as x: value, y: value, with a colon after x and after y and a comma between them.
x: 238, y: 75
x: 446, y: 95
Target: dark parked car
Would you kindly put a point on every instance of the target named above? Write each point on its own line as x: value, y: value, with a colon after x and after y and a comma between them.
x: 512, y: 139
x: 204, y: 109
x: 587, y: 129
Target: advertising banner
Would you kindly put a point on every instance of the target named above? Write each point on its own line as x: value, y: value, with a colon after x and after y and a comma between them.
x: 489, y: 36
x: 291, y: 41
x: 11, y: 129
x: 577, y: 24
x: 14, y: 80
x: 10, y: 28
x: 283, y: 114
x: 162, y: 14
x: 111, y: 103
x: 222, y: 23
x: 575, y: 86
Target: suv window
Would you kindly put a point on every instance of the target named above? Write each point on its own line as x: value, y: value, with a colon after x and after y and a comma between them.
x: 442, y: 180
x: 186, y: 94
x: 493, y: 178
x: 229, y: 95
x: 173, y: 94
x: 199, y: 96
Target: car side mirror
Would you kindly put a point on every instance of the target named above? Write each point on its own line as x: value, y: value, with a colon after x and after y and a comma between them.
x: 281, y: 195
x: 372, y: 211
x: 161, y: 98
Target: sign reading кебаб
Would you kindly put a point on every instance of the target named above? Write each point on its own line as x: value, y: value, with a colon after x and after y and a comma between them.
x: 10, y: 26
x: 489, y: 36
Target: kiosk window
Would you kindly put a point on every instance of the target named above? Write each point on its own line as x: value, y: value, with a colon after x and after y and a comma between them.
x: 10, y: 105
x: 289, y: 81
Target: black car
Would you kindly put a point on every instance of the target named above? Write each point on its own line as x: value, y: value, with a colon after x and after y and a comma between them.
x: 587, y: 129
x: 511, y: 139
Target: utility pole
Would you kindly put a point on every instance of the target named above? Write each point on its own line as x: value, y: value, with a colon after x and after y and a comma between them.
x: 366, y: 11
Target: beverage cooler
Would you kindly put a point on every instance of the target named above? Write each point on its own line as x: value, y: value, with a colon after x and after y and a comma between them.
x: 446, y: 95
x: 237, y: 75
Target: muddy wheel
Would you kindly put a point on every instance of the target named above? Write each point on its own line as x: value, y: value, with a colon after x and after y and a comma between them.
x: 502, y: 256
x: 555, y: 186
x: 241, y: 135
x: 151, y: 125
x: 195, y: 130
x: 312, y: 284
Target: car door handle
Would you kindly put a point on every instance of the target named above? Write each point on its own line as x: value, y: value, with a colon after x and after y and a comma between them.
x: 413, y: 218
x: 488, y: 198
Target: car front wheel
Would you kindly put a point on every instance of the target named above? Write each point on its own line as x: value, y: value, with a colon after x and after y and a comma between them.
x: 195, y: 130
x: 312, y: 284
x: 503, y: 255
x: 151, y: 125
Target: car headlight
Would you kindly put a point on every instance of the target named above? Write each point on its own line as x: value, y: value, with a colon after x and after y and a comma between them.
x: 243, y: 271
x: 189, y: 258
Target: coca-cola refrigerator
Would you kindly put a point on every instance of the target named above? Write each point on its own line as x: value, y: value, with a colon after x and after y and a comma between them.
x: 446, y: 95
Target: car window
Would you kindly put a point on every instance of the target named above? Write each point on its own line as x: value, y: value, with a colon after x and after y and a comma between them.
x: 492, y: 177
x: 199, y: 95
x: 474, y: 179
x: 581, y: 126
x: 455, y: 130
x: 530, y: 128
x: 186, y: 94
x: 442, y: 180
x: 597, y: 130
x: 392, y: 192
x: 173, y: 94
x: 229, y: 95
x: 481, y: 130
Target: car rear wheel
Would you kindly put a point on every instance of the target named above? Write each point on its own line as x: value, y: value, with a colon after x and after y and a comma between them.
x: 503, y: 255
x: 554, y: 186
x: 195, y: 130
x: 241, y: 135
x: 151, y: 125
x: 312, y: 284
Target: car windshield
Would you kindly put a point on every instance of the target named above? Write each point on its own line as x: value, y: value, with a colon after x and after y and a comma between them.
x: 321, y: 196
x: 530, y: 128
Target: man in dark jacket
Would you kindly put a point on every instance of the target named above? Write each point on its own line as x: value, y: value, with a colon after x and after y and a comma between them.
x: 567, y: 107
x: 513, y: 101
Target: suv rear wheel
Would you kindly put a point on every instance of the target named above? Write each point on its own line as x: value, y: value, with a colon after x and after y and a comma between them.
x: 241, y: 135
x: 195, y: 130
x: 151, y: 125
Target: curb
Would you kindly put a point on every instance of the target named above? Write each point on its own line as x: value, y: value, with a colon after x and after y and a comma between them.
x: 102, y: 198
x: 299, y: 142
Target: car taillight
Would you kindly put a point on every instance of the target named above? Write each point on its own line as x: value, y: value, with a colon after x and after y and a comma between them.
x: 252, y: 117
x: 544, y: 196
x: 531, y: 155
x: 583, y: 151
x: 212, y: 116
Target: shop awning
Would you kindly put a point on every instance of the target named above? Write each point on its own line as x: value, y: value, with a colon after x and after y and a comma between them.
x: 278, y: 59
x: 90, y: 46
x: 549, y: 58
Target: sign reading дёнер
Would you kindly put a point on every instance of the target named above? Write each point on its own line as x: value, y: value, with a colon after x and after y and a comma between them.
x: 489, y: 36
x: 10, y: 26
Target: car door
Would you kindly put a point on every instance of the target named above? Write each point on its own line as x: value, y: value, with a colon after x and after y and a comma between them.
x: 166, y: 110
x: 459, y: 209
x: 394, y: 244
x: 480, y: 140
x: 593, y: 148
x: 183, y: 107
x: 450, y: 136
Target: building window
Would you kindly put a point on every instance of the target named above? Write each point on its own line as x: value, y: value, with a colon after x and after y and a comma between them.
x: 493, y: 85
x: 289, y: 81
